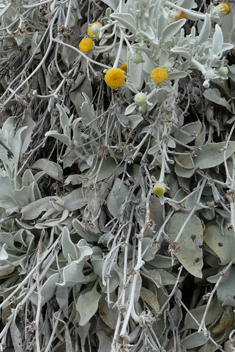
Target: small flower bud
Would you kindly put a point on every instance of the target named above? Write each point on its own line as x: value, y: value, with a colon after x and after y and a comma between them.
x: 123, y: 67
x: 140, y: 99
x: 176, y: 15
x: 143, y: 109
x: 159, y: 188
x: 137, y: 58
x: 159, y: 74
x: 222, y: 9
x: 223, y: 71
x: 94, y: 29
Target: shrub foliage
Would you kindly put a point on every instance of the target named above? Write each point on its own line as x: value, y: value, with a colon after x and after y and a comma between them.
x: 117, y: 177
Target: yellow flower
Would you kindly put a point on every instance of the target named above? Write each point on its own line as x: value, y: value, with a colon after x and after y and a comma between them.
x: 86, y: 45
x: 93, y: 30
x: 114, y: 78
x: 222, y: 9
x: 124, y: 67
x: 176, y: 15
x: 159, y: 74
x: 159, y: 188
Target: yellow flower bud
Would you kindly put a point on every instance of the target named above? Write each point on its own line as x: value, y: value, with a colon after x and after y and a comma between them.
x: 222, y: 9
x: 124, y: 67
x: 114, y: 78
x: 86, y: 45
x: 159, y: 188
x: 159, y: 74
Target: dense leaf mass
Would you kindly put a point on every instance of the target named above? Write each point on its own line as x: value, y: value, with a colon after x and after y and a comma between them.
x: 117, y: 191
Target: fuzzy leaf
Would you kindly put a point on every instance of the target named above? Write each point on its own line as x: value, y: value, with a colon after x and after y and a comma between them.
x: 194, y: 340
x: 108, y: 315
x: 88, y: 235
x: 61, y: 137
x: 52, y: 169
x: 212, y: 154
x: 215, y: 96
x: 185, y: 161
x: 134, y: 120
x: 222, y: 244
x: 205, y: 30
x: 87, y: 305
x: 150, y: 298
x: 47, y: 290
x: 226, y: 288
x: 190, y: 242
x: 126, y: 19
x: 188, y: 132
x: 217, y: 40
x: 213, y: 314
x: 136, y: 73
x: 130, y: 109
x: 171, y: 30
x: 117, y: 197
x: 177, y: 75
x: 69, y: 249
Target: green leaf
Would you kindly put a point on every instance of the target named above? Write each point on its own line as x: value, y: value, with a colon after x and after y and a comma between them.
x: 185, y: 161
x: 227, y: 287
x: 188, y: 132
x: 213, y: 314
x: 134, y: 120
x: 108, y: 315
x: 222, y: 244
x: 161, y: 261
x: 52, y: 169
x: 69, y: 249
x: 194, y: 340
x: 47, y: 290
x: 213, y: 94
x: 136, y: 73
x: 126, y: 19
x: 190, y: 242
x: 212, y: 154
x: 150, y: 298
x: 218, y: 40
x: 88, y: 235
x: 117, y: 197
x: 177, y: 75
x: 205, y: 30
x: 87, y: 305
x: 130, y: 109
x: 108, y: 168
x: 61, y: 137
x: 72, y: 275
x: 182, y: 52
x: 171, y: 30
x: 64, y: 120
x: 182, y: 172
